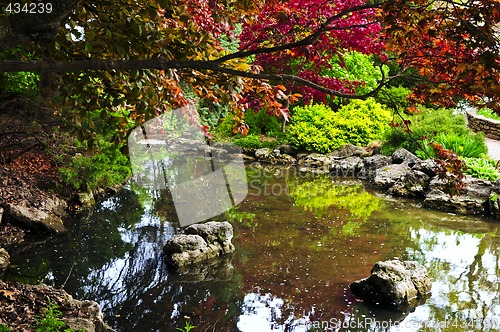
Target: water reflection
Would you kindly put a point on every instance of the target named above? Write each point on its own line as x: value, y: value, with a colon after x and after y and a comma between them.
x: 292, y: 267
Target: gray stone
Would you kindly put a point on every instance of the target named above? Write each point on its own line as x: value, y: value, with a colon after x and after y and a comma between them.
x: 212, y: 231
x: 428, y: 166
x: 403, y: 156
x: 274, y: 157
x: 288, y: 149
x: 387, y: 176
x: 94, y: 318
x: 87, y: 313
x: 494, y: 199
x: 494, y: 205
x: 401, y: 284
x: 262, y: 153
x: 248, y: 158
x: 79, y: 324
x: 376, y: 161
x: 348, y: 150
x: 479, y: 123
x: 349, y: 166
x: 411, y: 184
x: 472, y: 199
x: 86, y: 199
x: 4, y: 259
x: 47, y: 215
x: 316, y: 160
x: 202, y: 242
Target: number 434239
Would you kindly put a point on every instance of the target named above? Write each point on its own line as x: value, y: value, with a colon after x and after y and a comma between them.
x: 29, y: 8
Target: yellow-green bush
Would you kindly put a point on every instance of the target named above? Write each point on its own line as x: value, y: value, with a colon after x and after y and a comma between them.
x: 318, y: 128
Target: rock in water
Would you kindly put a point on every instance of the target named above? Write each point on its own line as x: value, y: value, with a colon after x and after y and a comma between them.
x: 201, y: 242
x: 399, y: 284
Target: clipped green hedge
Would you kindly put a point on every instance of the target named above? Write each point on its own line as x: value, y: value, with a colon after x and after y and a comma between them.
x: 317, y: 127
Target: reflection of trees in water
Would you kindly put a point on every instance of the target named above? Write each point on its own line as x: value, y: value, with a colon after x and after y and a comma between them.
x: 319, y: 193
x: 115, y: 257
x: 466, y: 274
x: 121, y: 267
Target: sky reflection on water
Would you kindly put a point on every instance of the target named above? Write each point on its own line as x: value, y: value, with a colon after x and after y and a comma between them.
x: 296, y: 256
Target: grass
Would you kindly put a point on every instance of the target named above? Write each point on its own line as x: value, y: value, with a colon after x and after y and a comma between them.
x: 489, y: 113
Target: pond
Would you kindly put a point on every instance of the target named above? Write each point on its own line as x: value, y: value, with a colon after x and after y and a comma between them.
x: 300, y: 239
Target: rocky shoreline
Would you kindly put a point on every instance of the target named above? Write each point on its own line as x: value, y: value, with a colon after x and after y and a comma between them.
x: 402, y: 175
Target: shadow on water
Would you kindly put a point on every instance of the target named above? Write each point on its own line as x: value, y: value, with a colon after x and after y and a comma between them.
x: 300, y: 239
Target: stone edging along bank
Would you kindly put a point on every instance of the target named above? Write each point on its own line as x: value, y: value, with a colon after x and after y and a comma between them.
x: 479, y: 123
x: 402, y: 174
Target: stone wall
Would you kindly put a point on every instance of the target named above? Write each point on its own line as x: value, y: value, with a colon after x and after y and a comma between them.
x: 490, y: 127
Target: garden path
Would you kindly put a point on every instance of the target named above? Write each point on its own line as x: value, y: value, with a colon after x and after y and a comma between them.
x: 493, y: 148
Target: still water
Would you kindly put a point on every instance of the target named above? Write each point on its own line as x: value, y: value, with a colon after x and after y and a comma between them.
x: 300, y: 241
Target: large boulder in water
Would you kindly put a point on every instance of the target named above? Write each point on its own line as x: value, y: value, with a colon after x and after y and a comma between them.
x: 201, y: 242
x: 399, y: 284
x: 45, y: 214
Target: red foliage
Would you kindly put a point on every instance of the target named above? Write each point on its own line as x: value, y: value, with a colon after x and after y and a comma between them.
x: 450, y: 168
x: 453, y: 46
x: 286, y: 22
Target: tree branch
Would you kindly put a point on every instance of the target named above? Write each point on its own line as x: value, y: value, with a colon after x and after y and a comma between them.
x: 304, y: 41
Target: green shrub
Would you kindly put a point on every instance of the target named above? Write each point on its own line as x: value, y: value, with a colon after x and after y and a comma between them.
x: 394, y: 97
x: 50, y: 320
x: 425, y: 125
x: 4, y: 328
x: 258, y: 123
x: 18, y: 82
x: 481, y: 168
x: 469, y: 146
x: 103, y: 169
x: 318, y: 128
x: 262, y: 123
x: 357, y: 66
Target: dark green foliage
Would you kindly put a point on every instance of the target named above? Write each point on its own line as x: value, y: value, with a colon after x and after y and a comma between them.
x: 106, y: 167
x: 394, y: 97
x: 481, y: 168
x: 424, y: 126
x: 262, y: 123
x: 4, y: 328
x: 258, y: 123
x: 18, y: 82
x: 318, y: 128
x: 211, y: 114
x: 469, y: 146
x: 50, y: 320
